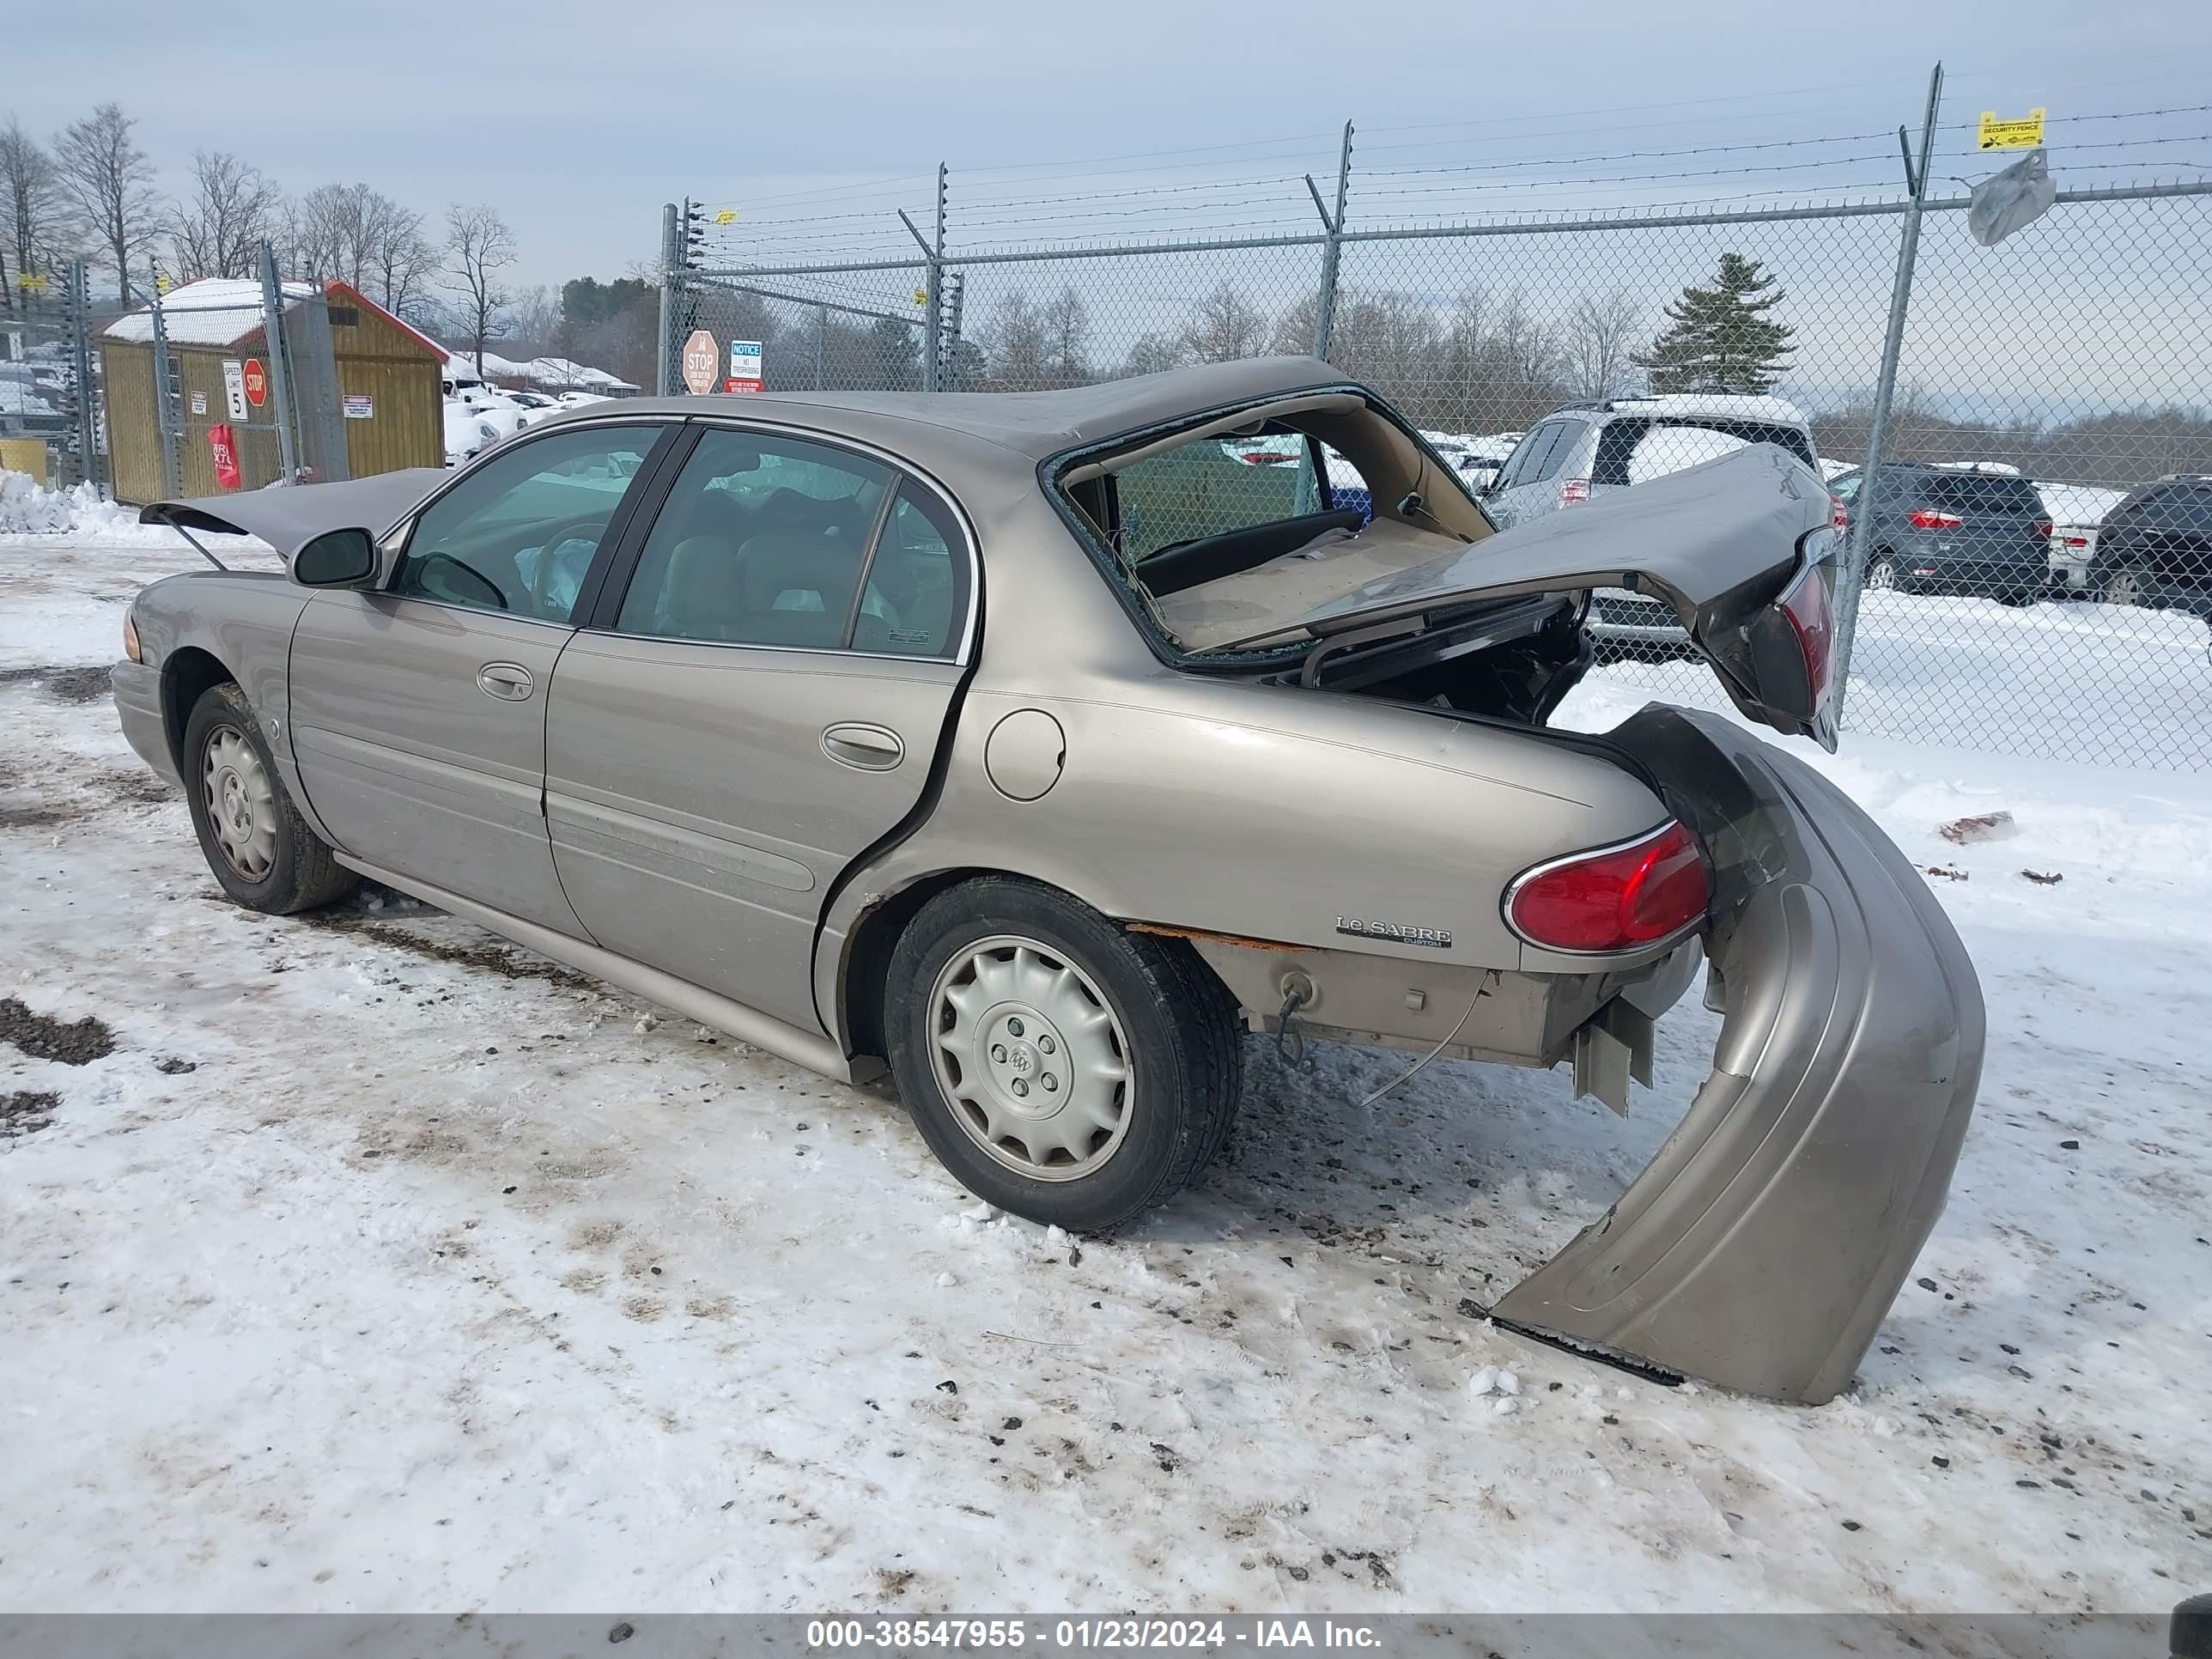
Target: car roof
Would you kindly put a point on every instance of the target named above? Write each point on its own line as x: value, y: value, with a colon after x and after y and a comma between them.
x: 1031, y: 424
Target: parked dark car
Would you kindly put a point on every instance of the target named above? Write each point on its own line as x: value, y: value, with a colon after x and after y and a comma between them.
x: 2156, y: 548
x: 1973, y: 532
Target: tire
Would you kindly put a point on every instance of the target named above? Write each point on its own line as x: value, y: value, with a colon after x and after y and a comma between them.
x: 1881, y: 575
x: 2122, y: 586
x: 1038, y: 970
x: 260, y: 848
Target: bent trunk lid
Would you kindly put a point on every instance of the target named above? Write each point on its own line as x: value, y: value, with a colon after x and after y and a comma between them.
x: 1717, y: 543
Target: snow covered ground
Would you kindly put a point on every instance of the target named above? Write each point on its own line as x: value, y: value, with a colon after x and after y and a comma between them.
x: 376, y: 1265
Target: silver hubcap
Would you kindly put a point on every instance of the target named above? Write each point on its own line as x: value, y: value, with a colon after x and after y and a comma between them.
x: 1881, y: 575
x: 1031, y: 1059
x: 241, y: 803
x: 2122, y: 589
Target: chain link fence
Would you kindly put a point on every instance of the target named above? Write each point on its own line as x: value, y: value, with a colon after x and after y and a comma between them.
x: 50, y: 424
x: 2036, y: 538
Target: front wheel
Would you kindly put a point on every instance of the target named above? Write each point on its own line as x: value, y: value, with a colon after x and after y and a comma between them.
x: 254, y: 839
x: 1063, y: 1068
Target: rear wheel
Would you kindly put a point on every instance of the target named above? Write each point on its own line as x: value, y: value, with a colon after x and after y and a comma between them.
x: 2123, y: 586
x: 1881, y: 574
x: 1062, y: 1067
x: 254, y: 839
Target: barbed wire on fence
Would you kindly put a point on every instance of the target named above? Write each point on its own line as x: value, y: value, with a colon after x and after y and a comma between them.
x: 2072, y: 359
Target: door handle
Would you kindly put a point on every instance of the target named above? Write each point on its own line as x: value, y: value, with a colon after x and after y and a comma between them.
x: 510, y: 682
x: 871, y: 748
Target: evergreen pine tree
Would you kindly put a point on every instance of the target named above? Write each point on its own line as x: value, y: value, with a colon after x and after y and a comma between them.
x: 1720, y: 338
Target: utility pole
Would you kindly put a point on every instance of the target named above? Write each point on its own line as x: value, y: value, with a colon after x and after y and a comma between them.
x: 672, y: 259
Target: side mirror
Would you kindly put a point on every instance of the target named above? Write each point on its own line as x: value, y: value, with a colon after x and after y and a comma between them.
x: 337, y: 558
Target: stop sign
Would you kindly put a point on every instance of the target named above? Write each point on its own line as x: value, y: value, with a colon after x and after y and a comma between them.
x: 702, y: 361
x: 257, y: 382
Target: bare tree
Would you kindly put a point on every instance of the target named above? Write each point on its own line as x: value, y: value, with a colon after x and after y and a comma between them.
x: 533, y: 322
x: 478, y: 247
x: 1067, y: 322
x: 1225, y: 325
x: 216, y: 231
x: 106, y: 181
x: 1601, y: 336
x: 401, y: 260
x: 1153, y: 352
x: 28, y: 209
x: 1014, y: 343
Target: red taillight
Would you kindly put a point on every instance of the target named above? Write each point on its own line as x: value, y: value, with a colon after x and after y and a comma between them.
x: 1573, y: 490
x: 1927, y: 517
x: 1806, y: 605
x: 2042, y: 528
x: 1614, y: 899
x: 1839, y: 516
x: 2077, y: 541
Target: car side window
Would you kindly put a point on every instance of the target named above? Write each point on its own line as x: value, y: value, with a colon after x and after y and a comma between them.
x: 762, y: 541
x: 1564, y: 436
x: 1534, y: 453
x: 518, y: 533
x: 915, y: 597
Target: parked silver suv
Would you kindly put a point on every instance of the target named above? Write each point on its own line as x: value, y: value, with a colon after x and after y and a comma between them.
x: 1583, y: 451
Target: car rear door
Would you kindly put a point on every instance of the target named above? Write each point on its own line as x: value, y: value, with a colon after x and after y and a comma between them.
x: 418, y: 711
x: 758, y: 698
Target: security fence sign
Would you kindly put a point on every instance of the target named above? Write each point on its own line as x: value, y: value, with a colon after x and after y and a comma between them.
x: 359, y: 406
x: 257, y: 382
x: 233, y: 387
x: 226, y: 456
x: 745, y: 366
x: 699, y: 363
x: 2022, y: 132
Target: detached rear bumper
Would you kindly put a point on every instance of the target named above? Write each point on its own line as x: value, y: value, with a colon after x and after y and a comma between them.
x: 1764, y: 1244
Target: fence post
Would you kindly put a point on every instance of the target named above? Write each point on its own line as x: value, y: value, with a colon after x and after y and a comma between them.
x: 933, y: 298
x: 87, y: 412
x: 950, y: 381
x: 280, y: 383
x: 1325, y: 304
x: 672, y: 256
x: 165, y: 412
x: 1885, y: 392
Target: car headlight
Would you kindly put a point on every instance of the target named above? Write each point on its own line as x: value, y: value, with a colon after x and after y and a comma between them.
x: 131, y: 638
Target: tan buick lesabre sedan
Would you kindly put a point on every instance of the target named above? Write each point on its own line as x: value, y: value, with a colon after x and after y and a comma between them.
x: 1036, y: 746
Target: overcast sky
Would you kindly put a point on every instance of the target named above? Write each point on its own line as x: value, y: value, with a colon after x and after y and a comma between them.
x: 578, y: 121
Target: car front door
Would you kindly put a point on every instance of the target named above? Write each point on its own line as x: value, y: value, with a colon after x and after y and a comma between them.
x: 758, y: 701
x: 419, y: 710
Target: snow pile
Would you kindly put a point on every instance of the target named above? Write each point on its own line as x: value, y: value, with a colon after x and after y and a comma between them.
x: 29, y: 507
x: 25, y: 507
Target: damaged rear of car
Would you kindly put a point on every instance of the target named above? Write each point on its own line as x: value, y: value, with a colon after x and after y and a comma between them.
x: 1768, y: 1237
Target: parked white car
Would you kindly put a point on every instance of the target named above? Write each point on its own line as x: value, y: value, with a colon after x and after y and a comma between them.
x: 467, y: 432
x: 2076, y: 512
